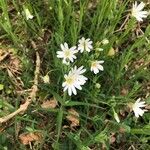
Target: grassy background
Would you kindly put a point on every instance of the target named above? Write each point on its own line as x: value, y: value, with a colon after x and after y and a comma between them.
x: 126, y: 75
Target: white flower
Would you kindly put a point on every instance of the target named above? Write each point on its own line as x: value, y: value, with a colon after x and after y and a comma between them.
x: 78, y: 73
x: 28, y: 14
x: 67, y: 53
x: 85, y: 44
x: 137, y: 11
x: 46, y: 79
x: 137, y: 108
x: 74, y: 80
x: 105, y: 41
x: 96, y: 66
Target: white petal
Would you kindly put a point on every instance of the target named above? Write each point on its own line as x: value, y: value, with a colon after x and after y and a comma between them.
x: 101, y: 61
x: 69, y: 91
x: 62, y: 46
x: 65, y: 88
x: 66, y: 45
x: 96, y: 71
x: 71, y: 59
x: 74, y: 90
x: 140, y: 6
x: 100, y: 67
x: 73, y: 48
x: 64, y: 84
x: 78, y: 87
x: 136, y: 114
x: 83, y: 39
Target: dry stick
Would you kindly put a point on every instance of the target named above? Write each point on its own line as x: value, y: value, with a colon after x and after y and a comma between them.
x: 31, y: 96
x: 124, y: 23
x: 3, y: 57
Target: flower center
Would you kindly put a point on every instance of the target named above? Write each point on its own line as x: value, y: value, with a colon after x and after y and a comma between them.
x: 134, y: 12
x: 67, y: 53
x: 94, y: 64
x: 70, y: 80
x: 84, y: 44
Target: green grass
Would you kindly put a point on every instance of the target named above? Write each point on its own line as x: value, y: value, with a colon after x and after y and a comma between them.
x: 56, y: 22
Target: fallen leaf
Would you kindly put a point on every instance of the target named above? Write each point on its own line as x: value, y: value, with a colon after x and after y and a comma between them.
x: 73, y: 117
x: 27, y: 138
x: 147, y: 107
x: 124, y: 91
x: 52, y: 103
x: 122, y: 130
x: 112, y: 138
x: 139, y: 63
x: 122, y: 112
x: 1, y: 129
x: 15, y: 64
x: 3, y: 54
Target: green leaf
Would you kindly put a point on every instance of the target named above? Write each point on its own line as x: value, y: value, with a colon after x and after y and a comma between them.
x: 85, y: 148
x: 76, y: 103
x: 141, y: 131
x: 101, y: 138
x: 58, y: 127
x: 126, y: 128
x: 58, y: 97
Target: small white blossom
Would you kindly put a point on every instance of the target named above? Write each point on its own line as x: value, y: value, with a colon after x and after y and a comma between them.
x: 137, y: 108
x: 28, y: 14
x: 96, y: 66
x: 85, y: 44
x: 137, y: 11
x: 105, y: 41
x: 78, y: 73
x: 46, y: 79
x: 66, y: 53
x: 74, y: 80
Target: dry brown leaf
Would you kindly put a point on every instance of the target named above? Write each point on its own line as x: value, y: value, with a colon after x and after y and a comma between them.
x: 27, y: 138
x: 112, y: 138
x: 15, y: 63
x: 122, y: 130
x: 52, y: 103
x: 1, y: 129
x: 3, y: 55
x: 147, y: 107
x: 12, y: 64
x: 92, y: 4
x: 139, y: 63
x: 122, y: 112
x: 73, y: 116
x: 124, y: 91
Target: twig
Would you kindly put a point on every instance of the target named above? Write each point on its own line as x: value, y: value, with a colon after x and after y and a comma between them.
x: 3, y: 56
x: 32, y: 94
x: 123, y: 24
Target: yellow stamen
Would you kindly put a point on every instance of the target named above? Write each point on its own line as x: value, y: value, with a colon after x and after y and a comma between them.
x: 94, y: 64
x: 70, y: 80
x: 67, y: 53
